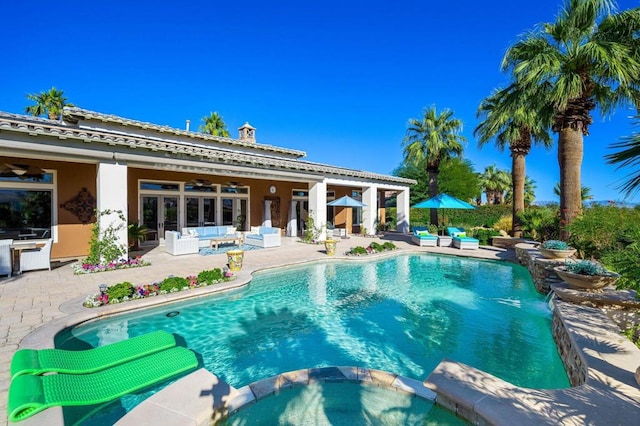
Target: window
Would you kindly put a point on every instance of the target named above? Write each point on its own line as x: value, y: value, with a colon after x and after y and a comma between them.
x: 159, y: 186
x: 26, y: 207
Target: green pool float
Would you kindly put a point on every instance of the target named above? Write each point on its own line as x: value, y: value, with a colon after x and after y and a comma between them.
x: 33, y: 361
x: 30, y: 394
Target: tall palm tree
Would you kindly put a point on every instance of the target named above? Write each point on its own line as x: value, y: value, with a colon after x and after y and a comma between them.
x: 495, y: 182
x: 529, y: 192
x: 50, y: 103
x: 628, y: 156
x: 591, y: 58
x: 430, y: 140
x: 515, y: 118
x: 214, y: 125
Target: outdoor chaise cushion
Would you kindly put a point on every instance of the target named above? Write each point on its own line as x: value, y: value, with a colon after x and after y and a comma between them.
x: 423, y: 238
x: 460, y: 239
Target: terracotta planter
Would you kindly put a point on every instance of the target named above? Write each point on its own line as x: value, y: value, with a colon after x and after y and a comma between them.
x: 330, y: 247
x: 556, y: 254
x: 586, y: 282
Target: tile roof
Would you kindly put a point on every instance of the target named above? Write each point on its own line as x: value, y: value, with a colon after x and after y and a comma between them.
x: 73, y: 114
x: 35, y: 126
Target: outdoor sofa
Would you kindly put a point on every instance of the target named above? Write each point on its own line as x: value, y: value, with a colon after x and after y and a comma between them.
x: 205, y: 234
x: 263, y: 236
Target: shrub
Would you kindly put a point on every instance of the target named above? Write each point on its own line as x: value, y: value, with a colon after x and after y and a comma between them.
x: 601, y: 229
x: 120, y: 290
x: 505, y: 223
x: 173, y: 283
x: 211, y: 276
x: 388, y: 245
x: 376, y: 246
x: 555, y: 245
x: 585, y: 267
x: 104, y: 245
x: 483, y: 235
x: 626, y: 262
x: 357, y: 250
x: 540, y: 223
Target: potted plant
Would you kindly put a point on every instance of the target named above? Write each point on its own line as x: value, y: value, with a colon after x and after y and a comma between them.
x: 586, y: 275
x: 555, y: 249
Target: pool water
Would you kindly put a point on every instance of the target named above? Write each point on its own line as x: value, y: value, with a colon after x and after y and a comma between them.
x: 351, y: 404
x: 402, y: 315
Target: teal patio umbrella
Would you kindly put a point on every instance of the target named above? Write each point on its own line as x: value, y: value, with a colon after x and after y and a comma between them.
x: 443, y: 201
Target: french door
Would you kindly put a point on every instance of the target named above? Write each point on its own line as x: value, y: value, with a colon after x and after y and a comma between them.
x: 160, y: 214
x: 200, y: 211
x: 234, y: 212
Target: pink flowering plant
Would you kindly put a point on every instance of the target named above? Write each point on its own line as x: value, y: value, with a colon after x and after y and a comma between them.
x: 125, y: 291
x: 371, y: 249
x: 90, y: 268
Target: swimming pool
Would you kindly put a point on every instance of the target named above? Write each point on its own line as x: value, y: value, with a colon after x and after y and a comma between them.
x: 401, y: 314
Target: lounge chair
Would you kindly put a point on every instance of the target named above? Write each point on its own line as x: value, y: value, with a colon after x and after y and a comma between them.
x: 34, y: 361
x: 460, y: 239
x: 423, y: 238
x: 30, y: 394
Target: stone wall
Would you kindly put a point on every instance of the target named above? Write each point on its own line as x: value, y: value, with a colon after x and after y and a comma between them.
x: 541, y: 269
x: 544, y: 277
x: 573, y: 362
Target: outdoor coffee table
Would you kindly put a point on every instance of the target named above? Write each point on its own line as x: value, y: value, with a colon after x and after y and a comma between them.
x: 236, y: 239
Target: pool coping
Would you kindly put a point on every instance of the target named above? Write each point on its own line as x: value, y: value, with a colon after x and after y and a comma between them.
x: 222, y: 400
x: 474, y: 395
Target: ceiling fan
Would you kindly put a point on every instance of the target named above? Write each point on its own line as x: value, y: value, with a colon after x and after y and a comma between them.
x: 22, y: 171
x: 200, y: 182
x: 234, y: 184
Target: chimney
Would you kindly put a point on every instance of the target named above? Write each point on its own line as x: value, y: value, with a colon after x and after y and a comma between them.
x: 188, y: 123
x: 247, y: 133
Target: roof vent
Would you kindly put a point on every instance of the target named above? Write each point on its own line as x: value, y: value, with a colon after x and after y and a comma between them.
x: 247, y: 132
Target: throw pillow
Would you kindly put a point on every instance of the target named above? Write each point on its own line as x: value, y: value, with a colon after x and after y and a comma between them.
x: 423, y: 233
x: 193, y: 232
x: 461, y: 234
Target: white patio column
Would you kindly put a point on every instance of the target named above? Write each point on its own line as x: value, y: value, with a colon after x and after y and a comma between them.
x: 370, y: 211
x: 111, y: 186
x: 402, y: 205
x: 318, y: 206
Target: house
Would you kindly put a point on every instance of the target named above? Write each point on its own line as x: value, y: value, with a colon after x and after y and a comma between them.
x: 56, y: 173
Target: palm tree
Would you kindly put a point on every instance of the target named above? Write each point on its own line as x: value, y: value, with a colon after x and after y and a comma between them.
x: 513, y: 117
x: 50, y: 103
x: 529, y: 193
x: 585, y: 192
x: 430, y: 140
x: 628, y: 156
x: 214, y: 125
x: 590, y: 58
x: 494, y: 183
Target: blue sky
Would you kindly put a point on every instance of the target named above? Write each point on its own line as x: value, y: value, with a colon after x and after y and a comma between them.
x: 336, y: 79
